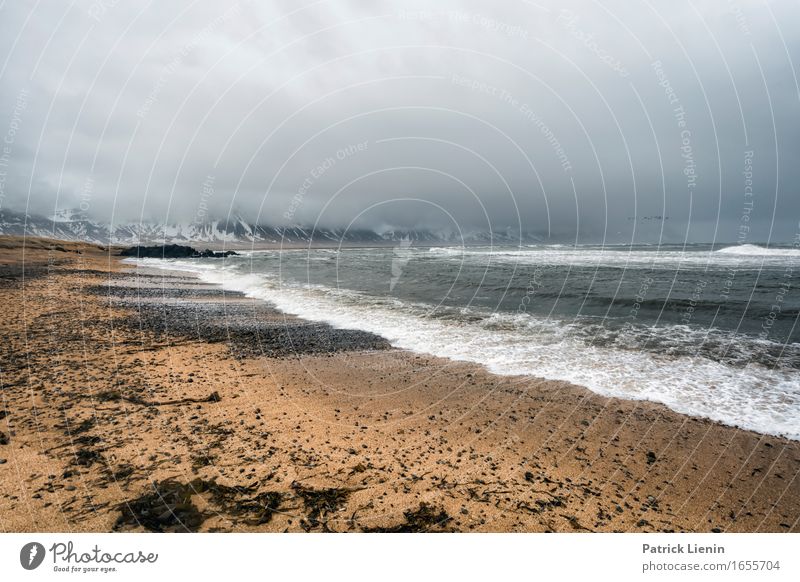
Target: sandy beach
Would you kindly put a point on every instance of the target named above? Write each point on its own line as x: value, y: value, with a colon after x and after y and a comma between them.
x: 145, y: 400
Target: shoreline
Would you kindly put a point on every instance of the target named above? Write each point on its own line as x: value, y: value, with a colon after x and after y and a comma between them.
x: 764, y: 427
x: 318, y: 429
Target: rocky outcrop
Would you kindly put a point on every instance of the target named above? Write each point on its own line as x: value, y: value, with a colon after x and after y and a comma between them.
x: 173, y: 252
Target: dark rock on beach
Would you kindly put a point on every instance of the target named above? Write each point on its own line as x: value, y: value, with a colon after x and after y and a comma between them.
x: 180, y: 307
x: 173, y: 252
x: 252, y: 330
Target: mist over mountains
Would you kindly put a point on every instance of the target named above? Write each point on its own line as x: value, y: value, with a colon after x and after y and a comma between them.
x: 74, y: 225
x: 571, y: 119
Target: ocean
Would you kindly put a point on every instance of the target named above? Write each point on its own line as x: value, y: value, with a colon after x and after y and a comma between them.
x: 707, y: 331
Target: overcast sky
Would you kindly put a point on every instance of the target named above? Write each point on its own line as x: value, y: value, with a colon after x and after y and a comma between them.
x: 615, y: 120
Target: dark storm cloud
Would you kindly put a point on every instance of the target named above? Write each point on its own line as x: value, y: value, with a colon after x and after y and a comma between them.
x: 599, y: 121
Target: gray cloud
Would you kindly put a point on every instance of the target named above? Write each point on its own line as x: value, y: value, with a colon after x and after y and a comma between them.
x: 588, y: 121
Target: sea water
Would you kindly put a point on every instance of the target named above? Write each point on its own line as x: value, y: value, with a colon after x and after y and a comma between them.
x: 707, y: 331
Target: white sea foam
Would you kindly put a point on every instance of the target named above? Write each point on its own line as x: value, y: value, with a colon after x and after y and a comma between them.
x: 742, y: 256
x: 753, y: 397
x: 757, y: 251
x: 448, y: 251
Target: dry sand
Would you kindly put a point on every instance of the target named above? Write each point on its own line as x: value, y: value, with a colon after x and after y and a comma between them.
x: 151, y: 402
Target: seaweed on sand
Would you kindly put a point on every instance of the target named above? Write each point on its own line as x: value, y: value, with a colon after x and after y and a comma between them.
x: 108, y: 396
x: 203, y: 460
x: 115, y: 395
x: 240, y: 502
x: 83, y: 426
x: 425, y: 519
x: 86, y: 457
x: 168, y: 507
x: 122, y: 472
x: 319, y: 503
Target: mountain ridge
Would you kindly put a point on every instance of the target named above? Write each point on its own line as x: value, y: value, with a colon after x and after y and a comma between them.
x: 73, y: 225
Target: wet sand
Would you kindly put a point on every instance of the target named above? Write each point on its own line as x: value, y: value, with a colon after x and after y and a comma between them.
x: 142, y: 400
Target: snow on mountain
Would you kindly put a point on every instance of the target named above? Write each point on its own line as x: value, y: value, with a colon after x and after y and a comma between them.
x: 76, y: 226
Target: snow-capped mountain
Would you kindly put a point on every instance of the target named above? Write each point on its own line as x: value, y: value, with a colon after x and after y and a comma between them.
x: 76, y: 226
